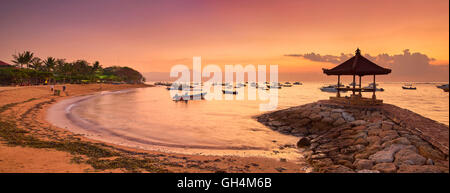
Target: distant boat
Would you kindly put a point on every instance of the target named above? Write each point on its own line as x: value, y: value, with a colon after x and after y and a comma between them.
x: 443, y: 87
x: 371, y: 87
x: 187, y: 97
x: 409, y: 87
x: 297, y: 83
x: 229, y: 92
x: 274, y: 86
x: 287, y: 85
x: 330, y: 88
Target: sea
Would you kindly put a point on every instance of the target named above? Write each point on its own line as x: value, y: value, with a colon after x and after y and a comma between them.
x: 148, y: 118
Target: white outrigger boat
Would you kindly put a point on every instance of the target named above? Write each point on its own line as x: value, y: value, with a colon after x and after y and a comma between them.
x: 330, y: 88
x: 187, y: 97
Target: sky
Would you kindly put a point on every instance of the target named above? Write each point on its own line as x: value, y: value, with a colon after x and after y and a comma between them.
x: 302, y: 37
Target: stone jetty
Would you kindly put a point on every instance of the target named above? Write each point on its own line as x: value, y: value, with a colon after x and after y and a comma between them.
x: 341, y: 138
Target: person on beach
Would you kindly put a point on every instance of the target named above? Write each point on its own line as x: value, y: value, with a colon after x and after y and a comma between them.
x: 64, y: 90
x: 52, y: 87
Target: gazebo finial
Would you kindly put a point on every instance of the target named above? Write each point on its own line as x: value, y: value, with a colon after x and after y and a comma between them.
x: 358, y: 51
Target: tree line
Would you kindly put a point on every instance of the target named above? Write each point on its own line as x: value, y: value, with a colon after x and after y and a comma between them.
x: 31, y: 70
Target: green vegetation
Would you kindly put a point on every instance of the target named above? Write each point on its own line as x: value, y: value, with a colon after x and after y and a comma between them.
x: 31, y: 70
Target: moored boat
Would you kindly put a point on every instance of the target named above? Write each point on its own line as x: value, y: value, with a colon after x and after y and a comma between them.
x: 229, y: 92
x: 409, y: 87
x: 443, y: 87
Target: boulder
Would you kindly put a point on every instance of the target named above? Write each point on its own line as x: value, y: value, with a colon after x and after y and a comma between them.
x: 421, y: 169
x: 368, y: 171
x: 285, y: 129
x: 385, y: 167
x: 361, y: 141
x: 315, y: 117
x: 321, y: 162
x: 360, y: 128
x: 374, y: 140
x: 325, y: 113
x: 348, y: 117
x: 374, y: 132
x: 407, y: 156
x: 303, y: 122
x: 336, y: 116
x: 345, y: 163
x: 339, y: 121
x: 430, y: 152
x: 275, y: 123
x: 400, y: 140
x: 327, y: 120
x: 387, y: 125
x: 386, y: 155
x: 337, y: 110
x: 336, y: 169
x: 303, y: 142
x: 358, y: 122
x: 318, y: 156
x: 361, y: 164
x: 299, y: 131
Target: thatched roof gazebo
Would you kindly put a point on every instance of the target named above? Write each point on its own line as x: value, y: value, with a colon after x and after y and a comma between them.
x: 357, y: 66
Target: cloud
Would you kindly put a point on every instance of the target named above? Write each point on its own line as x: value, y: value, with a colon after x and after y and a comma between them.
x: 325, y: 58
x: 407, y: 66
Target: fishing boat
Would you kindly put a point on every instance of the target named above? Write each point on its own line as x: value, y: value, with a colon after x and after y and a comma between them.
x: 187, y: 97
x: 330, y: 88
x: 409, y: 87
x: 274, y: 85
x: 297, y: 83
x: 229, y: 92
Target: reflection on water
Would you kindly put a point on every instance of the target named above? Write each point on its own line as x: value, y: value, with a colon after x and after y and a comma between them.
x: 149, y: 117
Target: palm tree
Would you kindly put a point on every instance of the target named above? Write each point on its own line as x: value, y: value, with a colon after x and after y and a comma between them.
x: 50, y: 64
x: 96, y: 66
x: 24, y: 58
x: 36, y: 63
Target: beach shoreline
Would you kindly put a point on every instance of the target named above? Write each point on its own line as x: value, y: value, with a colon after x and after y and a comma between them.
x: 24, y: 110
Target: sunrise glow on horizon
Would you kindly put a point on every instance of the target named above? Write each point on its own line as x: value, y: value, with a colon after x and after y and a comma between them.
x: 152, y: 36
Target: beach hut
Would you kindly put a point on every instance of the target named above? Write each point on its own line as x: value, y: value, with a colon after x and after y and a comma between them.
x: 359, y: 66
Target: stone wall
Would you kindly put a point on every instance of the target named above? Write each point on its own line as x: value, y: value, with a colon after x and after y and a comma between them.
x: 338, y: 138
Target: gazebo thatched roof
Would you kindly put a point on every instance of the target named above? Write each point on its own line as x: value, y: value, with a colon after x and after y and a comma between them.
x: 357, y: 65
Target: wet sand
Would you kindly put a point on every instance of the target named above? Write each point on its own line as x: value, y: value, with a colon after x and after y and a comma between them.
x: 26, y: 107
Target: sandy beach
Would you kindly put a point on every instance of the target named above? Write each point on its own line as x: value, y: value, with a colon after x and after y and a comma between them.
x: 30, y: 144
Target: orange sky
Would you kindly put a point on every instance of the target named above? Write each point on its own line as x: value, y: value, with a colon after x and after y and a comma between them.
x: 152, y: 36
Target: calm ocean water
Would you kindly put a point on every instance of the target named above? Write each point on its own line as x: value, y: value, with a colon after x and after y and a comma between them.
x: 148, y: 118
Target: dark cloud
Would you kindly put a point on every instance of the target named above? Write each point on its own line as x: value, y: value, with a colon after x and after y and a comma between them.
x: 325, y: 58
x: 406, y: 66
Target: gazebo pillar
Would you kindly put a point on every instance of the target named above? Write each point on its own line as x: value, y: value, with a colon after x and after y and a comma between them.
x: 338, y: 94
x: 374, y: 88
x: 354, y: 85
x: 360, y: 86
